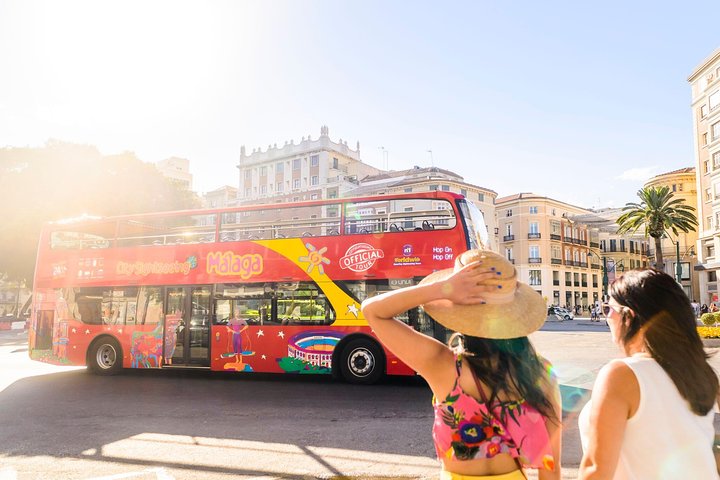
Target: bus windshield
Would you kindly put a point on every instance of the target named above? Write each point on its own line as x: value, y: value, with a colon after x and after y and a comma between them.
x: 478, y: 236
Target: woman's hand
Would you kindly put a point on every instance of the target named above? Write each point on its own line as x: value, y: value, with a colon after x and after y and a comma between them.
x: 468, y: 285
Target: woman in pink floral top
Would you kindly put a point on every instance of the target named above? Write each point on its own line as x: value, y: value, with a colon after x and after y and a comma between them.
x: 497, y: 408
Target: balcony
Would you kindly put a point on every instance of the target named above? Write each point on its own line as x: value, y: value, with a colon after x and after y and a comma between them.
x: 532, y: 236
x: 594, y: 244
x: 556, y: 261
x: 555, y: 237
x: 583, y: 264
x: 535, y: 260
x: 508, y: 238
x: 595, y: 267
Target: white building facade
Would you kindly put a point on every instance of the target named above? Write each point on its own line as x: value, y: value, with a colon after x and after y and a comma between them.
x: 705, y: 88
x: 308, y: 170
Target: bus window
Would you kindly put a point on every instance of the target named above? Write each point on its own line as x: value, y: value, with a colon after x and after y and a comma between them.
x: 149, y: 306
x: 398, y: 215
x: 287, y: 222
x: 82, y: 233
x: 251, y: 303
x: 302, y: 303
x: 123, y: 305
x: 166, y: 230
x: 86, y: 304
x: 223, y: 311
x: 416, y: 318
x: 100, y: 305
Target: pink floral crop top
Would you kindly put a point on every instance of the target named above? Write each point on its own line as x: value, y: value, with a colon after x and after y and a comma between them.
x: 466, y: 429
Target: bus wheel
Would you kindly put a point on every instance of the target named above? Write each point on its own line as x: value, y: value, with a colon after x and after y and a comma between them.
x: 362, y: 362
x: 105, y: 356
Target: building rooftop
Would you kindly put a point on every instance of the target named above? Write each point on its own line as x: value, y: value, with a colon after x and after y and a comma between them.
x: 305, y: 146
x: 704, y: 64
x: 688, y: 170
x: 400, y: 178
x: 530, y: 195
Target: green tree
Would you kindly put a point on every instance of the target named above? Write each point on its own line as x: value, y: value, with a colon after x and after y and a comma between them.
x: 658, y: 212
x: 64, y: 180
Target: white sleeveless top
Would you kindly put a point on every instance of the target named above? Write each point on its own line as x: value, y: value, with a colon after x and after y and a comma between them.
x: 664, y: 439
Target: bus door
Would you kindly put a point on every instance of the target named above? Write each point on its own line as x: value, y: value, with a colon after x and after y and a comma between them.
x: 187, y: 326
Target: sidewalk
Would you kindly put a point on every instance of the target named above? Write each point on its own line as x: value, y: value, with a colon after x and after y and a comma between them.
x: 584, y: 320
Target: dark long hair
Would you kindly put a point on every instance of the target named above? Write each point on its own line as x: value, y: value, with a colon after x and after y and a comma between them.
x: 510, y: 366
x: 662, y: 308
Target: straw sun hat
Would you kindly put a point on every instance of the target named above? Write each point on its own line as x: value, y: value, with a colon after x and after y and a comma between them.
x: 515, y: 310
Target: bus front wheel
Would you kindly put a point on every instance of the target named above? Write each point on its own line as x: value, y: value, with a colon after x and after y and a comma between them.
x: 362, y: 362
x: 105, y: 356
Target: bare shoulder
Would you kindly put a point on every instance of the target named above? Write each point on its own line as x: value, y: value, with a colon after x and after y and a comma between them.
x: 616, y: 371
x: 617, y: 382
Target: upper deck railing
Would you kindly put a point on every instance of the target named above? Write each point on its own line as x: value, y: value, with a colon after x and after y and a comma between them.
x: 347, y: 216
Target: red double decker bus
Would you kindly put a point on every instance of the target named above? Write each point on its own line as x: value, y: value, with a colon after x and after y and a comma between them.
x: 261, y: 288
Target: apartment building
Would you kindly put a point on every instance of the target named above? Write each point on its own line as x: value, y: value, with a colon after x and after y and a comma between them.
x: 620, y: 253
x: 551, y: 252
x: 705, y: 90
x: 177, y: 169
x: 225, y: 196
x: 680, y: 251
x: 308, y: 170
x: 428, y: 179
x: 567, y: 261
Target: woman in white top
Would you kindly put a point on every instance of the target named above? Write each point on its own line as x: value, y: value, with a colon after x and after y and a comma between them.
x: 651, y: 413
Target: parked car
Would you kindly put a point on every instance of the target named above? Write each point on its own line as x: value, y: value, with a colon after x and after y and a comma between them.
x: 560, y: 312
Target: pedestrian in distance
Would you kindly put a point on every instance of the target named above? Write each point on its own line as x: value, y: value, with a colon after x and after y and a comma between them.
x: 703, y: 309
x: 496, y: 403
x: 651, y: 414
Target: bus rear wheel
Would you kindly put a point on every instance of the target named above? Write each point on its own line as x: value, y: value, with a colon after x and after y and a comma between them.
x: 362, y: 362
x: 105, y: 356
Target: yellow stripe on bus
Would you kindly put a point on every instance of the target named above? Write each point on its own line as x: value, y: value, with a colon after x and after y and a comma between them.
x: 347, y: 309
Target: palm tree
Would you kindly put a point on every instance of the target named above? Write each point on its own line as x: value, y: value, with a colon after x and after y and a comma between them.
x: 658, y: 212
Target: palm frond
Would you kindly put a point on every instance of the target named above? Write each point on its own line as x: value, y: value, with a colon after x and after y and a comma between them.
x: 658, y: 212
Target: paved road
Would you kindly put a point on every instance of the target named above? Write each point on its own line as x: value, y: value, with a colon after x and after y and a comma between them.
x: 59, y: 422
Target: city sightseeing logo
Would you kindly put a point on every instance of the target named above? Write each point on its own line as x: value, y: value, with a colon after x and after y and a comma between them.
x: 360, y: 257
x: 144, y: 269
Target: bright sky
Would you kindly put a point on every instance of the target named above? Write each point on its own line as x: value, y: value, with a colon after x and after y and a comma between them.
x: 582, y: 103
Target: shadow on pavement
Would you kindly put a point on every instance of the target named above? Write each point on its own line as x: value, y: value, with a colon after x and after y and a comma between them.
x: 78, y: 415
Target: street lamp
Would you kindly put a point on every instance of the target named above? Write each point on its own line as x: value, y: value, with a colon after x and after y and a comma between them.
x: 616, y: 265
x: 678, y: 265
x: 604, y: 273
